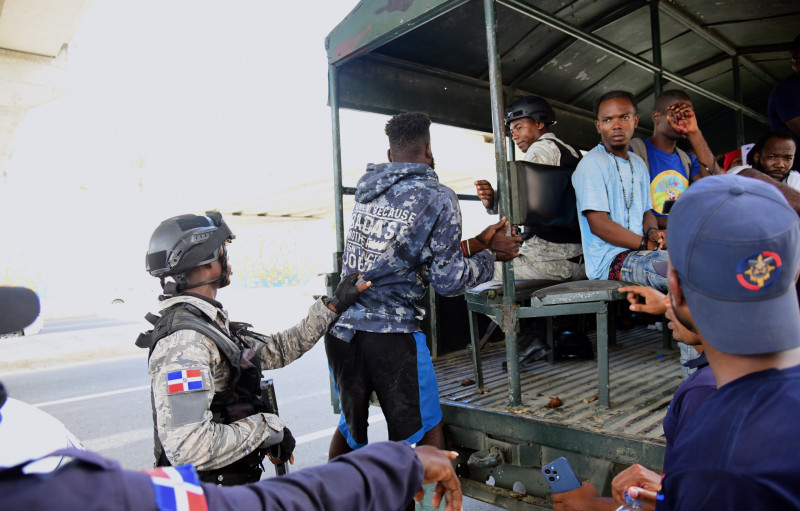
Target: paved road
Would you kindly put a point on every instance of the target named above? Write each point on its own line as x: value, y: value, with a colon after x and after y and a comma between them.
x: 73, y: 324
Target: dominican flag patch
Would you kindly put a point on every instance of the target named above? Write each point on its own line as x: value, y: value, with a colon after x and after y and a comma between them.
x: 185, y: 381
x: 177, y: 489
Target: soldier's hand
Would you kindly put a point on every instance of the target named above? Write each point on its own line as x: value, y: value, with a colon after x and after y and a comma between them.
x: 485, y: 192
x: 282, y: 452
x: 346, y: 293
x: 439, y: 470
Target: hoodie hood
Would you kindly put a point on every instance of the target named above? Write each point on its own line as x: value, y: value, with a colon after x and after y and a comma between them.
x: 379, y: 178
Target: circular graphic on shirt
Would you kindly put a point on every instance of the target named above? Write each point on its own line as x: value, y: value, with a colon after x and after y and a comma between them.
x: 667, y: 185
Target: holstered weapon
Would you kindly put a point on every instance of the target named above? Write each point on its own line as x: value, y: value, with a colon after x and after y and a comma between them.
x: 270, y: 404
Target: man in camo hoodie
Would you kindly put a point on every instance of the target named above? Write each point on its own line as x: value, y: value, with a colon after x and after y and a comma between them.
x: 405, y: 234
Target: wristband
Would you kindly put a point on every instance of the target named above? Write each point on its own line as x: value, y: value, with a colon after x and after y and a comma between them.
x: 643, y: 244
x: 463, y: 249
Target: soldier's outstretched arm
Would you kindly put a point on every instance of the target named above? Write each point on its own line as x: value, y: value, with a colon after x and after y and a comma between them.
x: 280, y: 349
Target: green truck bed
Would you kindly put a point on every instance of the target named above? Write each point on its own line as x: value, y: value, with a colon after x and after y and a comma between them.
x: 506, y: 442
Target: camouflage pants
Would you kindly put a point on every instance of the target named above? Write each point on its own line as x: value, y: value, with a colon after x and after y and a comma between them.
x: 545, y: 260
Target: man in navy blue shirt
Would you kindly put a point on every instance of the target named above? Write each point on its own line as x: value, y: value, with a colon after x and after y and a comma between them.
x: 639, y: 482
x: 734, y: 247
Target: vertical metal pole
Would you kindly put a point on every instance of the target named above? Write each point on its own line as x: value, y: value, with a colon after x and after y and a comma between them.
x: 655, y: 35
x: 433, y: 341
x: 333, y: 99
x: 737, y: 95
x: 602, y: 358
x: 475, y: 343
x: 509, y: 314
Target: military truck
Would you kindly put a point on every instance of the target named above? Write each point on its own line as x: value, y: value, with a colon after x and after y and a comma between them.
x: 462, y: 61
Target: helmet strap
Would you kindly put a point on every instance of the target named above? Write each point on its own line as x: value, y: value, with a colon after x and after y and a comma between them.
x: 223, y: 278
x: 169, y: 289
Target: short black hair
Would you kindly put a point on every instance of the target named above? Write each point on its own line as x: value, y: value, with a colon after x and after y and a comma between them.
x: 408, y: 132
x: 613, y: 94
x: 759, y: 146
x: 669, y: 97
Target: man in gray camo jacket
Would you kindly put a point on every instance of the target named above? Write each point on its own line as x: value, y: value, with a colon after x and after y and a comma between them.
x: 206, y: 371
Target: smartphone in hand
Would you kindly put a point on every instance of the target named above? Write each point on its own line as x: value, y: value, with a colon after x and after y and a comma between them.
x: 559, y: 476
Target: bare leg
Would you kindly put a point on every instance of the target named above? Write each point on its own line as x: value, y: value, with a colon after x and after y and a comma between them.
x: 339, y: 445
x: 434, y: 437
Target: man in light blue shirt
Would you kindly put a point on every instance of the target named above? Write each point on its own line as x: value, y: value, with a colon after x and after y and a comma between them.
x: 620, y: 236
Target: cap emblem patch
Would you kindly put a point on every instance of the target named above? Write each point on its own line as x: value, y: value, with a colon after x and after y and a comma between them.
x: 759, y: 270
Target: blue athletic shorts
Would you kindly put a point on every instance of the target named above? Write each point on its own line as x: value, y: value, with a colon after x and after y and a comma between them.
x: 399, y: 369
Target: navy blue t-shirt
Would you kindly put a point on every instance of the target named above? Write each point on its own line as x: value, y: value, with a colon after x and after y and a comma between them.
x: 687, y: 399
x: 741, y: 450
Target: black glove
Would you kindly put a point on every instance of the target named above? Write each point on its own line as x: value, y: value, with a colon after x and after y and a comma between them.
x: 283, y: 451
x: 346, y: 293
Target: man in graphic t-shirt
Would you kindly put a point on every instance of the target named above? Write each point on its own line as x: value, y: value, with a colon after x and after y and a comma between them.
x: 671, y: 168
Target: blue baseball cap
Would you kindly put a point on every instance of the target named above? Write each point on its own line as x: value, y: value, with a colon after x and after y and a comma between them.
x: 735, y: 244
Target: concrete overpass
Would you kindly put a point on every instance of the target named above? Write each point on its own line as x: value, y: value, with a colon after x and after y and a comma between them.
x: 34, y: 43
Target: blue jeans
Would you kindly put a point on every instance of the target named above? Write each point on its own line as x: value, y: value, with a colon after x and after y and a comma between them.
x: 637, y: 268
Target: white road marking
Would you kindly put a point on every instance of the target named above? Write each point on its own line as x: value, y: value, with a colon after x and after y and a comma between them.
x: 147, y: 387
x: 91, y: 396
x: 118, y: 440
x: 327, y: 432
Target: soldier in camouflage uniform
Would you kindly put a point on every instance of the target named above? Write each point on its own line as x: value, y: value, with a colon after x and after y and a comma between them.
x: 406, y: 234
x: 205, y: 386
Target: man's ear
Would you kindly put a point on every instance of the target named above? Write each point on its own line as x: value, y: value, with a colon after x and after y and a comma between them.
x: 757, y: 159
x: 428, y: 151
x: 675, y: 291
x: 389, y: 154
x: 597, y: 126
x: 635, y: 121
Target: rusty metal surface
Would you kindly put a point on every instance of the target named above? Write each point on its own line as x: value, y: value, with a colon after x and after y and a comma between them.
x: 643, y: 380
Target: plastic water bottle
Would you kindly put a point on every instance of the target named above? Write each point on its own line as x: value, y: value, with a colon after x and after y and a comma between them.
x: 631, y: 504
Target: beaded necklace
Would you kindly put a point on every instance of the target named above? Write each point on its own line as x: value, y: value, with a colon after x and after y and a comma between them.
x: 628, y: 204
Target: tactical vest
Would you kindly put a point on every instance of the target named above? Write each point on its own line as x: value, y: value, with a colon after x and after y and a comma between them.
x: 241, y: 399
x: 567, y: 158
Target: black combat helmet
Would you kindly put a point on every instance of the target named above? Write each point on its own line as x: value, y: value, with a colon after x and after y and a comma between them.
x: 530, y: 106
x: 184, y: 242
